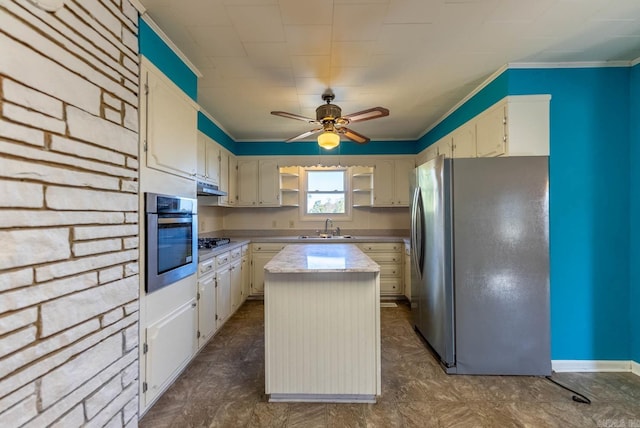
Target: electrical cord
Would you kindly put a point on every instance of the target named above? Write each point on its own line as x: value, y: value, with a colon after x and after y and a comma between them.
x: 579, y: 398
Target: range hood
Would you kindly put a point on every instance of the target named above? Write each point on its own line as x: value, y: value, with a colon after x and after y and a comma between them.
x: 206, y: 189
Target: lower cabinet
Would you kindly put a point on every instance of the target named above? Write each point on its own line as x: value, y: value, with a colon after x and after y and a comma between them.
x: 236, y: 284
x: 169, y: 348
x: 245, y: 275
x: 223, y: 295
x: 389, y: 256
x: 206, y: 308
x: 261, y: 253
x: 407, y: 271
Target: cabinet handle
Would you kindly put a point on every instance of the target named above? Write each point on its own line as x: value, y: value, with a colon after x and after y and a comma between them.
x: 193, y: 305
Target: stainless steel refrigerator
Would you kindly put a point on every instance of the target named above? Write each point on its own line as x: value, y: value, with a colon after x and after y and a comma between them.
x: 480, y: 263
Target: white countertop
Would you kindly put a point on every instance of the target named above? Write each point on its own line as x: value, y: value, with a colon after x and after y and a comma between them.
x: 303, y: 258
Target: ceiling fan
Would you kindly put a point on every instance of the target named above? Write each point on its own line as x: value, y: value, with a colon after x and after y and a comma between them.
x: 333, y: 124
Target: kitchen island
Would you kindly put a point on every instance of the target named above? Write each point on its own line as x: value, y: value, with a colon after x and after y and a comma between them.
x: 322, y: 324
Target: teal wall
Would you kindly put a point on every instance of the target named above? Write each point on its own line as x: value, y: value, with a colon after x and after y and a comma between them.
x: 635, y: 213
x: 589, y: 207
x: 156, y: 50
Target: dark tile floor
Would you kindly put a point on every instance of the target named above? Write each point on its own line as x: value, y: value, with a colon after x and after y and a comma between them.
x: 224, y: 387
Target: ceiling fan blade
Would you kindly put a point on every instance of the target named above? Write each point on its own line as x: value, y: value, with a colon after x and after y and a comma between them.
x: 293, y: 116
x: 372, y: 113
x: 304, y: 135
x: 354, y: 136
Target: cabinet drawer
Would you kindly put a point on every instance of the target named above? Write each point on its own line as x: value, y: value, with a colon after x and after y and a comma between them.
x: 268, y: 246
x: 390, y: 286
x: 236, y: 253
x: 386, y: 257
x: 206, y: 266
x: 222, y: 259
x: 381, y: 246
x: 391, y: 270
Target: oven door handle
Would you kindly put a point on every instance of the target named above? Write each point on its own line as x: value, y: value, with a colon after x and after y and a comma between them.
x: 173, y: 220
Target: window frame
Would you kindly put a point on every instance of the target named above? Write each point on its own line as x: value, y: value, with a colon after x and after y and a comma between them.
x: 304, y: 216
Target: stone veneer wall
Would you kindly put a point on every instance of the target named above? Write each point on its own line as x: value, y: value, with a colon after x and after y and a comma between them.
x: 68, y: 214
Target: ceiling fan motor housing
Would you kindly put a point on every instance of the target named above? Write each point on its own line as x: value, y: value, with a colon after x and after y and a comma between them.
x: 328, y: 112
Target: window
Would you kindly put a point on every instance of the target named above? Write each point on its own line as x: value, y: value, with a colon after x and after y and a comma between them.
x: 325, y: 193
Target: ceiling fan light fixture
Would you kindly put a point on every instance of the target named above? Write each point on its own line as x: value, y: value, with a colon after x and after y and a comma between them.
x: 328, y: 140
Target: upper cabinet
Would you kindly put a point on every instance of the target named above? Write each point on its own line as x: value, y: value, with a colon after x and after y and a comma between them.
x: 258, y: 183
x: 463, y: 141
x: 391, y: 182
x: 209, y: 161
x: 170, y: 124
x: 515, y: 126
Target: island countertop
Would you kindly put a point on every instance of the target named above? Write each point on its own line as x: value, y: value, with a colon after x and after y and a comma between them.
x: 305, y: 258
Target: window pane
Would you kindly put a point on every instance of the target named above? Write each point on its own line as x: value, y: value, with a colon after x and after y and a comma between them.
x: 325, y: 181
x: 329, y: 203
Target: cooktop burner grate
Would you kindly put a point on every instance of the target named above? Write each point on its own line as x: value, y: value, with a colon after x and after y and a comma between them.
x: 212, y: 242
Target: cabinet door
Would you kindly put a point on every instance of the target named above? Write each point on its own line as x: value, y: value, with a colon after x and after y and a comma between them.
x: 223, y: 295
x: 247, y: 183
x: 463, y: 141
x: 171, y: 127
x: 206, y: 308
x: 407, y: 271
x: 233, y: 180
x: 213, y: 162
x: 383, y: 186
x: 444, y: 147
x: 172, y: 343
x: 257, y: 279
x: 268, y: 183
x: 236, y: 285
x: 491, y: 135
x: 201, y: 162
x: 245, y: 278
x: 224, y: 176
x: 403, y: 167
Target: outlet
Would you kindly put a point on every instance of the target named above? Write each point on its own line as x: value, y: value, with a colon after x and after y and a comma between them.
x: 291, y: 224
x: 274, y: 223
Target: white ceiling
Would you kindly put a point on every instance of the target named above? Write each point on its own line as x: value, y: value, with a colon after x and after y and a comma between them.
x: 418, y: 58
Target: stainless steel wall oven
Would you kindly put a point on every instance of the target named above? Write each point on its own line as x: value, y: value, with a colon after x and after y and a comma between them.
x: 171, y: 239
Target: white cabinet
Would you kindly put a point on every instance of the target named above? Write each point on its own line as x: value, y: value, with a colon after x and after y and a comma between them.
x: 236, y: 278
x: 209, y: 164
x: 224, y: 178
x: 258, y: 183
x: 247, y: 184
x: 245, y: 273
x: 171, y: 342
x: 463, y: 141
x: 389, y: 256
x: 391, y: 182
x: 491, y: 132
x: 232, y: 197
x: 223, y: 295
x: 261, y: 253
x: 407, y: 271
x: 169, y: 129
x: 206, y: 308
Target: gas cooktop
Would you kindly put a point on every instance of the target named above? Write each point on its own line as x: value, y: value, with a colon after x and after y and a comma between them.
x: 212, y: 242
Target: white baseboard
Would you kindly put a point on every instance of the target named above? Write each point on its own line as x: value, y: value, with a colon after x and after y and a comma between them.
x: 594, y: 366
x: 635, y: 368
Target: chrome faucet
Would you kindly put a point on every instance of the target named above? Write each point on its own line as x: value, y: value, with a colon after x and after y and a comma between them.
x: 326, y: 225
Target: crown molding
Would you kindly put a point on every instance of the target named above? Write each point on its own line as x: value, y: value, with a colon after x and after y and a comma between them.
x: 170, y: 43
x: 138, y: 6
x: 635, y: 62
x: 582, y: 64
x: 470, y: 95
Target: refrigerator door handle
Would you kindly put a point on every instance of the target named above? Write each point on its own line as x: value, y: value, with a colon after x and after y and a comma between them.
x: 417, y: 231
